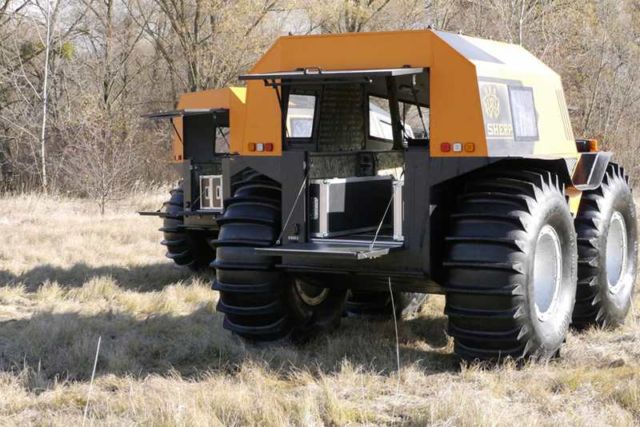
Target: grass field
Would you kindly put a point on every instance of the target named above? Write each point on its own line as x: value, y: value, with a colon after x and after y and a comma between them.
x: 69, y: 276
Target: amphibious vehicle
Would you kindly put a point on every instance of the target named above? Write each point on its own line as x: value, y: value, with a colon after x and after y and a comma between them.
x: 489, y: 200
x: 201, y: 137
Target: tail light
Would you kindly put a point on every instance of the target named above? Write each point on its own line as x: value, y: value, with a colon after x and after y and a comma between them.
x: 587, y: 145
x: 260, y: 146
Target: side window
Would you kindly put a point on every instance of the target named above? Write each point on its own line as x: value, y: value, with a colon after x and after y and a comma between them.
x: 222, y: 139
x: 416, y: 121
x: 523, y: 111
x: 300, y: 115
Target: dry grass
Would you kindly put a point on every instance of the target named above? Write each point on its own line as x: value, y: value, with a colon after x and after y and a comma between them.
x: 68, y: 275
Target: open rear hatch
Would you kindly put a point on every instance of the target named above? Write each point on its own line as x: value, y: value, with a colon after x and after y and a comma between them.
x: 200, y: 130
x: 353, y: 218
x: 352, y: 213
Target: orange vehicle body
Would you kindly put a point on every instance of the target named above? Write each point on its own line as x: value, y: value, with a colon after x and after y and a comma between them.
x: 464, y: 73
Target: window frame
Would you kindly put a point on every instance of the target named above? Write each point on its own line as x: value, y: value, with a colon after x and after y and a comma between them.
x: 424, y: 127
x: 400, y: 105
x: 300, y: 143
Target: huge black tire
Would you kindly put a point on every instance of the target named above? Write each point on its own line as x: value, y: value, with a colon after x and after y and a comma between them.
x: 187, y: 248
x: 510, y: 267
x: 607, y: 252
x: 259, y: 301
x: 374, y: 304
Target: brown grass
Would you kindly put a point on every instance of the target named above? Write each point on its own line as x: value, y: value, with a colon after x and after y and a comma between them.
x: 68, y: 276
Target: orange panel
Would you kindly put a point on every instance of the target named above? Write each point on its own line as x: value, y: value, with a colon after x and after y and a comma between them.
x: 456, y: 63
x: 455, y: 116
x: 228, y: 98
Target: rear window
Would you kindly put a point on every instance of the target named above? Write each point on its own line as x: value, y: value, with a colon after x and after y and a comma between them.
x: 300, y: 127
x: 415, y: 120
x: 380, y: 119
x: 300, y: 114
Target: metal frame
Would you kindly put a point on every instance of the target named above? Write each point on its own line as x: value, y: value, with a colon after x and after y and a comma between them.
x: 184, y: 112
x: 398, y: 210
x: 319, y: 74
x: 214, y: 192
x: 590, y: 170
x: 324, y: 207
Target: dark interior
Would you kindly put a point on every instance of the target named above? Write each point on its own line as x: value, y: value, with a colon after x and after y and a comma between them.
x: 199, y: 134
x: 364, y: 114
x: 355, y: 128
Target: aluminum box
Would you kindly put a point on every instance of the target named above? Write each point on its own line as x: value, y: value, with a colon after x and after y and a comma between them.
x: 347, y: 206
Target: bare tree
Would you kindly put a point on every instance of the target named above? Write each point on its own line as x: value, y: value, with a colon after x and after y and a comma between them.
x: 98, y: 164
x: 45, y: 93
x: 212, y: 41
x: 363, y: 15
x: 77, y: 93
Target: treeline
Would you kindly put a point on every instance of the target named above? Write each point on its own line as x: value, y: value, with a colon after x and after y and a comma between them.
x: 100, y: 64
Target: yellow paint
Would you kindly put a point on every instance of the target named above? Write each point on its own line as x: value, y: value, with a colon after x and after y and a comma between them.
x: 233, y: 99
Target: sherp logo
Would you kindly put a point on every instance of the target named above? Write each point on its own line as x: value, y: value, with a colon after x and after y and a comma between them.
x: 495, y: 107
x: 490, y: 102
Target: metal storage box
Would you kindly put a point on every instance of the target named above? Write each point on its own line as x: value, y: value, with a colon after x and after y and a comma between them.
x: 211, y: 192
x: 344, y: 206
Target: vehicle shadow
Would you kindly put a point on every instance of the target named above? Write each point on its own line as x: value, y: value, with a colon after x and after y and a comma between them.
x: 146, y: 277
x: 63, y: 346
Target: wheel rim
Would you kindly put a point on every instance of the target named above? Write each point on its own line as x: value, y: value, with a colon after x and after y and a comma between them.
x: 616, y: 251
x: 547, y: 272
x: 310, y: 294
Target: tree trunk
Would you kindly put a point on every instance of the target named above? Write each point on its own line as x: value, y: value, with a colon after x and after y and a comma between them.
x: 43, y: 151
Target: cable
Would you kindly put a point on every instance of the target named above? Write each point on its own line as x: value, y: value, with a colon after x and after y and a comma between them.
x: 386, y: 211
x: 375, y: 237
x: 295, y: 203
x: 395, y: 324
x: 224, y: 137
